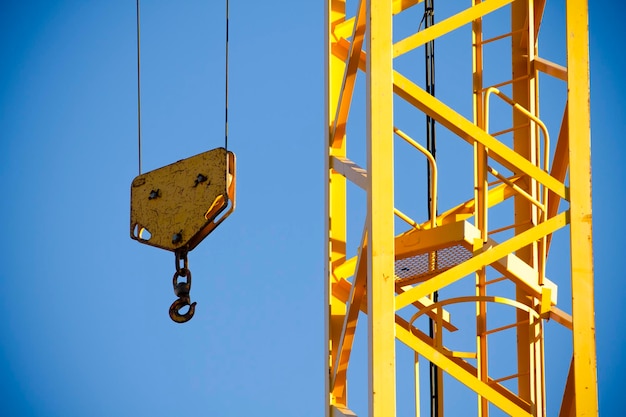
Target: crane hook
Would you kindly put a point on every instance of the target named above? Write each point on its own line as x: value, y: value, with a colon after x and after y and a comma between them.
x: 181, y: 290
x: 177, y: 305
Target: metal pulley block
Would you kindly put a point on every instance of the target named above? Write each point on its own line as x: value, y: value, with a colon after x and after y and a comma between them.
x: 177, y: 206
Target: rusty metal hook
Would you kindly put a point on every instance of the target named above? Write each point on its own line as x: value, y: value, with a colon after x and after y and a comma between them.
x: 175, y: 310
x: 181, y: 290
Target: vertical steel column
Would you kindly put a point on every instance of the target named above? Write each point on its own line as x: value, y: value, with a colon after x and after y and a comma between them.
x: 480, y: 195
x: 335, y: 211
x: 524, y: 143
x: 583, y: 332
x: 380, y: 209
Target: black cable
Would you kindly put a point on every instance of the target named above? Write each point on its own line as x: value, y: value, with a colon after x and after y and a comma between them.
x: 431, y: 145
x: 138, y: 89
x: 226, y: 85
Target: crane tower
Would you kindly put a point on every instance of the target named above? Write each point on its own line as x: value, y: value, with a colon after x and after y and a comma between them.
x: 461, y: 301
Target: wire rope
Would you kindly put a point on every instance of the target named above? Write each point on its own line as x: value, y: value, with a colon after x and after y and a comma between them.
x: 138, y: 29
x: 226, y: 82
x: 138, y: 89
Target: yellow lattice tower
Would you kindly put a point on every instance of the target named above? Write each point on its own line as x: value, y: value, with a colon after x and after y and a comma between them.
x: 539, y: 175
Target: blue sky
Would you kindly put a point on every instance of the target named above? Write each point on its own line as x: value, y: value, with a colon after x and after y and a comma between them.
x: 85, y: 329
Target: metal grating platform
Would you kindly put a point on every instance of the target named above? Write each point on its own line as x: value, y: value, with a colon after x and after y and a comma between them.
x: 420, y: 267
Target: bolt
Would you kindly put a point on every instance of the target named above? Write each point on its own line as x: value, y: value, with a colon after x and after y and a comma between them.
x: 153, y: 194
x: 177, y: 237
x: 200, y: 178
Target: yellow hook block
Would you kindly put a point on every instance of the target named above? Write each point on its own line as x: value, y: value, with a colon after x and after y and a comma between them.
x: 178, y: 205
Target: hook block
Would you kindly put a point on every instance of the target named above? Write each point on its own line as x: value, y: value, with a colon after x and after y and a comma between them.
x: 180, y: 204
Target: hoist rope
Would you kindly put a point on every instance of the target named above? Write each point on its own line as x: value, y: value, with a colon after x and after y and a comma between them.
x: 138, y: 89
x: 226, y: 85
x: 138, y: 29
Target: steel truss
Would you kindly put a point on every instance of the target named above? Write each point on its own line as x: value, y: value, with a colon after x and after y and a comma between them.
x: 544, y: 183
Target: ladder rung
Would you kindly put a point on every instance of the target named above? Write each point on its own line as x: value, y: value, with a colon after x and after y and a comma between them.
x: 497, y: 38
x: 459, y: 354
x: 512, y: 129
x: 523, y: 77
x: 499, y: 181
x: 508, y: 326
x: 495, y: 280
x: 502, y: 229
x: 506, y: 378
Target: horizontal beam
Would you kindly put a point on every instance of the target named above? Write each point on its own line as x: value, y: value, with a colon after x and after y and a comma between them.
x: 550, y: 68
x: 350, y: 170
x: 340, y: 412
x: 523, y: 275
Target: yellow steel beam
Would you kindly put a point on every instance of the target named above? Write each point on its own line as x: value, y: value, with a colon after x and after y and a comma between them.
x: 448, y: 25
x: 561, y: 317
x: 380, y: 254
x: 341, y: 412
x: 539, y: 7
x: 482, y: 199
x: 524, y: 90
x: 341, y: 50
x: 550, y: 68
x: 495, y: 196
x: 415, y: 242
x: 560, y: 164
x: 568, y: 407
x: 350, y: 170
x: 349, y: 77
x: 399, y: 6
x: 345, y: 28
x: 357, y: 293
x: 335, y: 193
x: 525, y: 276
x: 433, y: 313
x: 485, y: 258
x: 586, y: 390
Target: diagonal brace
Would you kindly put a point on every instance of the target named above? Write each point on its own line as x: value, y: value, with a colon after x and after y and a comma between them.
x: 471, y: 381
x: 354, y: 302
x: 448, y: 25
x: 485, y: 258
